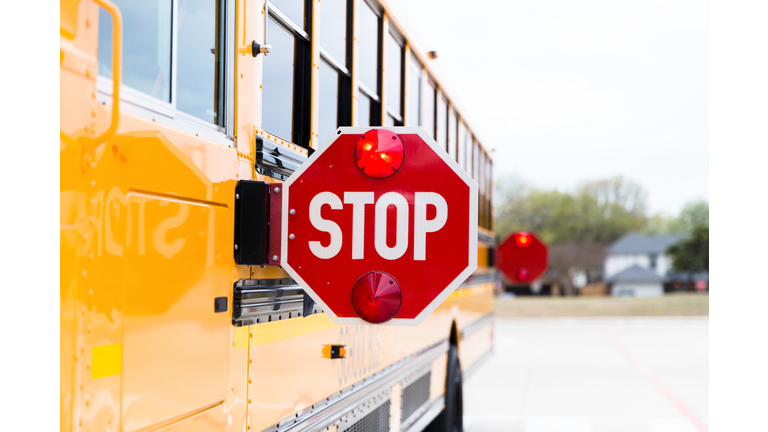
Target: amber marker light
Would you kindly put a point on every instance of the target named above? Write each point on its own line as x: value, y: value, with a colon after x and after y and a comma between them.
x: 523, y: 239
x: 379, y: 153
x: 376, y: 297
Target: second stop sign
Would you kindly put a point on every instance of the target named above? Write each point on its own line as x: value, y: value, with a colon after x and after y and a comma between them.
x: 380, y: 225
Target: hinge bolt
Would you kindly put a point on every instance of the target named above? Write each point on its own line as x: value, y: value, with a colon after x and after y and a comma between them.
x: 292, y: 212
x: 237, y: 196
x: 291, y: 237
x: 277, y: 190
x: 274, y: 257
x: 235, y: 247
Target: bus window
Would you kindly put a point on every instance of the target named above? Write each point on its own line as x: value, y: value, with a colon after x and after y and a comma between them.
x: 442, y: 121
x: 279, y: 73
x: 293, y: 9
x: 368, y: 66
x: 329, y: 100
x: 475, y: 159
x: 414, y: 93
x: 468, y: 164
x: 452, y: 133
x: 462, y: 144
x: 429, y: 109
x: 333, y: 29
x: 333, y: 109
x: 200, y: 60
x: 146, y: 46
x: 393, y: 71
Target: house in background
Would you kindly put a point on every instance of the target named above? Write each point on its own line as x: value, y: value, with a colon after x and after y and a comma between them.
x: 637, y: 265
x: 636, y: 282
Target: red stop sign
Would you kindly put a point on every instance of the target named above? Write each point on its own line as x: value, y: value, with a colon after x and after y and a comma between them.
x: 379, y: 225
x: 522, y: 257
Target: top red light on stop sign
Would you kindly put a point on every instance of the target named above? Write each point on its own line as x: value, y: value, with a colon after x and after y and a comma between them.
x: 379, y: 153
x: 379, y: 201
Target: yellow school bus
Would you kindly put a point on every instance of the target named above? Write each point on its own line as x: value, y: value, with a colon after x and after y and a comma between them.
x: 165, y: 106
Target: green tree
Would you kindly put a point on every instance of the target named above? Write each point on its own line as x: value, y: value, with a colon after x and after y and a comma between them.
x: 597, y: 212
x: 691, y: 254
x: 694, y: 214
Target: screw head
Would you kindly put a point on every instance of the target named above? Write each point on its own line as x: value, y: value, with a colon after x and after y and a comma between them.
x: 291, y: 236
x: 237, y: 196
x: 235, y: 247
x: 275, y: 257
x: 293, y: 211
x: 277, y: 190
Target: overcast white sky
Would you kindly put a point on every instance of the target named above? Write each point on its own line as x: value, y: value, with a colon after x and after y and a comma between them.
x: 568, y: 91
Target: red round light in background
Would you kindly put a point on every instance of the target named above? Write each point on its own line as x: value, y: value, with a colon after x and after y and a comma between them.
x: 523, y: 239
x: 379, y: 153
x: 376, y: 297
x: 522, y: 274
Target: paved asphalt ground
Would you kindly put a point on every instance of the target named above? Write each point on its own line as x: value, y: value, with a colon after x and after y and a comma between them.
x: 593, y: 375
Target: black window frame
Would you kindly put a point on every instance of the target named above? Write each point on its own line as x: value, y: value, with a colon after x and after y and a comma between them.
x: 301, y: 125
x: 343, y: 69
x: 399, y: 117
x: 375, y: 117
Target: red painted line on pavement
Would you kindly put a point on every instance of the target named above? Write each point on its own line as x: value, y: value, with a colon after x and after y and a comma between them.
x: 676, y: 402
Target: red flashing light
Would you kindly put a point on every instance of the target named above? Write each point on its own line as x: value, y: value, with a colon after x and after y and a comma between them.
x: 376, y: 297
x: 379, y: 153
x: 523, y: 274
x: 522, y: 239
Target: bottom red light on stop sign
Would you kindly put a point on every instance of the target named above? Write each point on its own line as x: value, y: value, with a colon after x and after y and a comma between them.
x: 376, y: 297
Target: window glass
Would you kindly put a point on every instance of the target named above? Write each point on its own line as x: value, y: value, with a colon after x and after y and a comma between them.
x: 475, y: 159
x: 441, y: 120
x: 393, y: 72
x: 146, y: 46
x: 363, y: 111
x: 333, y: 29
x: 452, y: 133
x: 368, y: 35
x: 329, y: 100
x: 429, y: 109
x: 390, y: 121
x: 468, y: 164
x: 462, y: 145
x: 199, y: 63
x: 293, y: 9
x: 277, y: 102
x: 414, y: 93
x: 481, y: 174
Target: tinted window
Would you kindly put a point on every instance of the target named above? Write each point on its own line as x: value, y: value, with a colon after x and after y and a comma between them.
x: 452, y: 134
x: 333, y: 29
x: 393, y: 72
x: 414, y: 94
x: 199, y: 63
x: 462, y: 145
x: 429, y: 109
x: 329, y: 100
x: 146, y: 64
x: 277, y: 102
x: 468, y: 166
x: 293, y: 9
x: 442, y: 120
x: 363, y: 111
x: 368, y: 48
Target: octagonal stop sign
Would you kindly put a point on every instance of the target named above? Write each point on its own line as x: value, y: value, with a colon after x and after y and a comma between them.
x: 522, y: 258
x: 379, y: 225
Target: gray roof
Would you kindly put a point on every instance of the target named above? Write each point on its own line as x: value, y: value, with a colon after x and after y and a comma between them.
x: 638, y: 243
x: 636, y: 274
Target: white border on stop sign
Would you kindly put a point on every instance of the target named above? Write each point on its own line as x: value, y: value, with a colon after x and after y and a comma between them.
x: 471, y: 265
